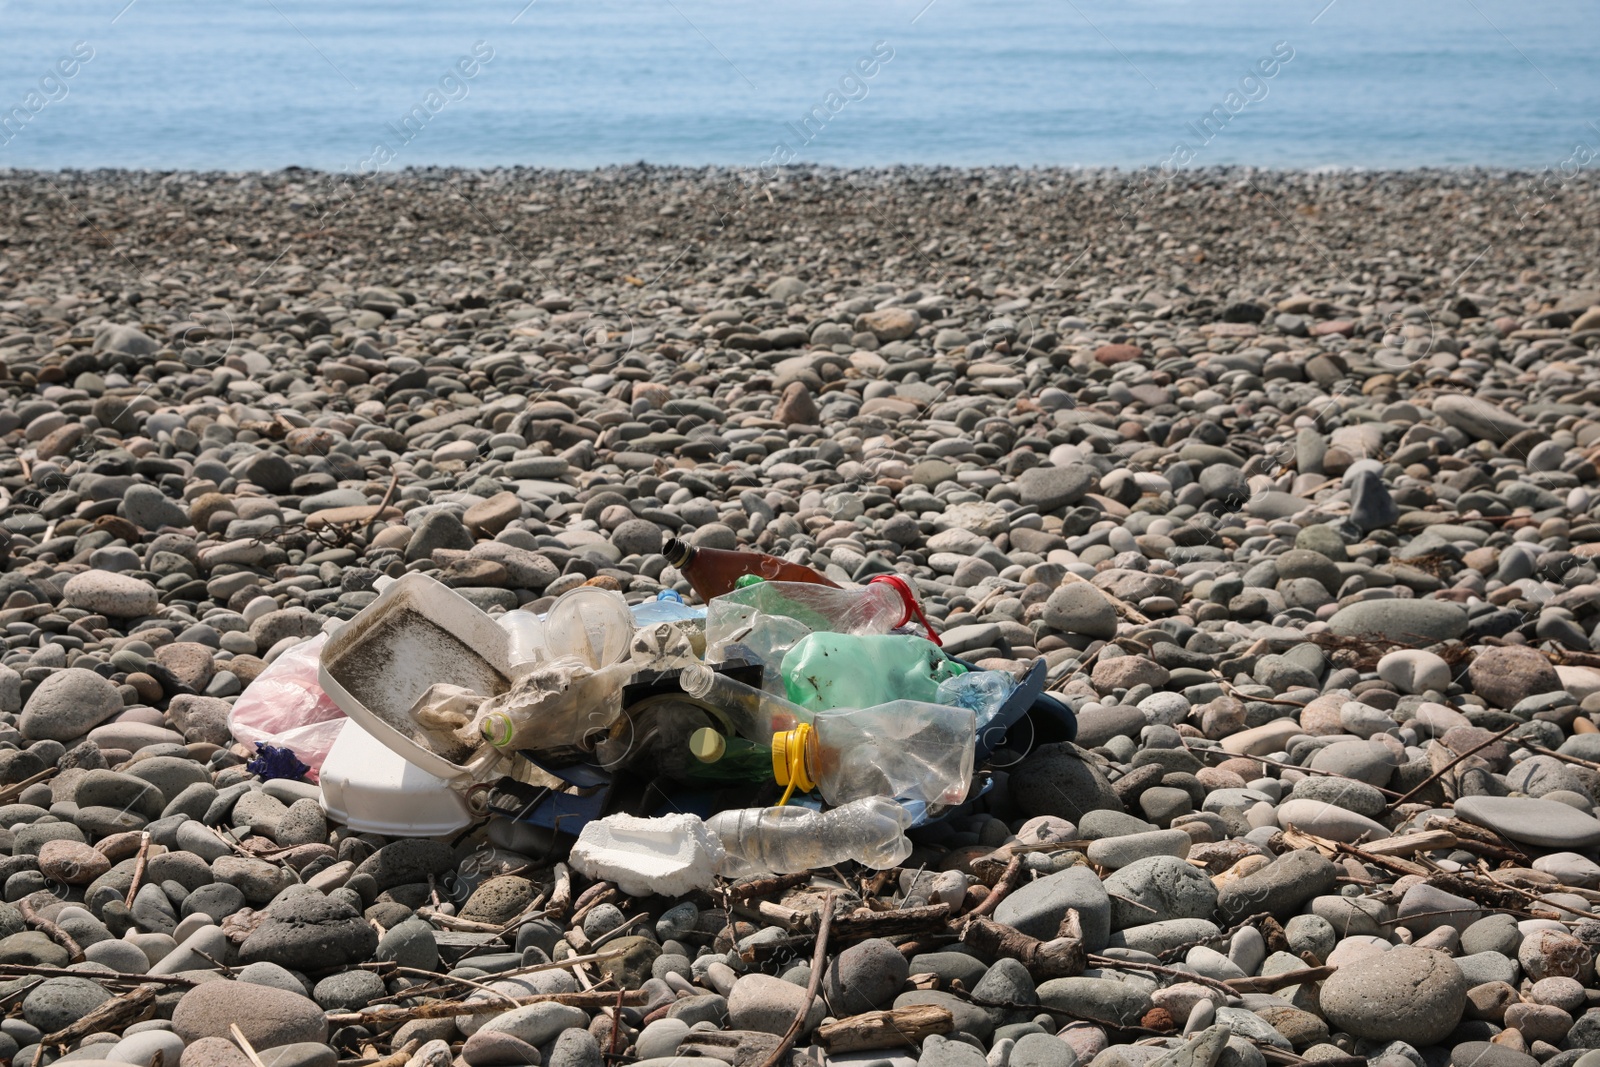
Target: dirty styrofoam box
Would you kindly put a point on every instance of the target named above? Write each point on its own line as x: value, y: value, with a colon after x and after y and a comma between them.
x: 417, y: 633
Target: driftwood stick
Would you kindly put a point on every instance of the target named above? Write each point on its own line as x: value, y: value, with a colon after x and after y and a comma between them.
x: 592, y: 895
x: 399, y: 1056
x: 1478, y: 840
x: 561, y: 893
x: 18, y: 994
x: 885, y: 1029
x: 50, y: 930
x: 434, y: 990
x: 819, y: 962
x: 112, y: 1015
x: 12, y: 792
x: 1300, y: 839
x: 469, y: 983
x: 451, y: 922
x: 25, y: 969
x: 1008, y: 882
x: 138, y: 868
x: 1271, y: 983
x: 1406, y: 844
x: 1061, y: 958
x: 472, y: 926
x: 860, y: 925
x: 1156, y: 968
x: 775, y: 914
x: 388, y: 494
x: 444, y: 1009
x: 1562, y: 756
x: 1442, y: 771
x: 765, y: 887
x: 864, y: 924
x: 608, y: 893
x: 244, y: 1043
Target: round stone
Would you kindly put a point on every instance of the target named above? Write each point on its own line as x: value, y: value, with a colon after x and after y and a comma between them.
x: 120, y: 596
x: 68, y: 704
x: 1405, y: 994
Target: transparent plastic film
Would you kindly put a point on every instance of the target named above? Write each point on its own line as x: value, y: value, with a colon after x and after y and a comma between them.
x: 768, y: 618
x: 913, y: 752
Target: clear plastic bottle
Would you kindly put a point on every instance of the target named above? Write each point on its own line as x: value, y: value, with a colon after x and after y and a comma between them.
x: 766, y: 619
x: 826, y: 670
x: 754, y: 713
x: 785, y: 840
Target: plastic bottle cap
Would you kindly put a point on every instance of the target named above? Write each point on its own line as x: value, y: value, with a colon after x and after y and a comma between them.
x: 707, y: 745
x: 744, y: 581
x: 789, y: 763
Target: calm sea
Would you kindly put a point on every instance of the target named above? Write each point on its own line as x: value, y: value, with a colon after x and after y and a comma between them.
x: 386, y: 84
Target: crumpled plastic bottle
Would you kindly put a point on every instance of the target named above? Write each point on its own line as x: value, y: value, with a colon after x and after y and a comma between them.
x: 825, y: 670
x: 870, y: 831
x: 984, y: 692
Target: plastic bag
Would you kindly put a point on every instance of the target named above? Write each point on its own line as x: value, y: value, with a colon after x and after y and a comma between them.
x: 286, y: 707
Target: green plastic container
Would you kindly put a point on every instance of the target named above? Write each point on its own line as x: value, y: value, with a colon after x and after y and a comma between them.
x: 828, y: 670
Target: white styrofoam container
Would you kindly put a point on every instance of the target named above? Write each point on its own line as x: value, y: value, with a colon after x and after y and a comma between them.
x: 372, y: 789
x: 415, y: 634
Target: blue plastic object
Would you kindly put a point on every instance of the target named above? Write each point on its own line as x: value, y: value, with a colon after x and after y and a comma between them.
x: 274, y: 762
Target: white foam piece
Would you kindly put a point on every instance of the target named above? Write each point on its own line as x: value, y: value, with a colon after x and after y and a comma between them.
x: 671, y: 855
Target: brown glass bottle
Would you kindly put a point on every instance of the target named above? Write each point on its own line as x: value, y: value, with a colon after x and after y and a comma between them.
x: 711, y: 572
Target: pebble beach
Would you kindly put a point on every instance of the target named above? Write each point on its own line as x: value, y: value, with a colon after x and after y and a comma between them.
x: 1290, y: 479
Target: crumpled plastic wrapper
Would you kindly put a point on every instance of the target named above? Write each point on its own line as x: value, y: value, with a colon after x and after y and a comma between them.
x: 556, y: 707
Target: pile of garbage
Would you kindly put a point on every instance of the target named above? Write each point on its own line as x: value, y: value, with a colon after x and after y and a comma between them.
x: 787, y: 725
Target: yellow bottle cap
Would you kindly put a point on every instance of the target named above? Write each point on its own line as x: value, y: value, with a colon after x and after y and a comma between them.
x: 790, y: 765
x: 780, y: 758
x: 707, y: 745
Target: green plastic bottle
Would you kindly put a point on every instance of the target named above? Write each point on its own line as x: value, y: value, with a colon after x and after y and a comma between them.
x: 827, y: 670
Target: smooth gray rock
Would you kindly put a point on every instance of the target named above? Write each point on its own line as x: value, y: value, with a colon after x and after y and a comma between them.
x: 1157, y: 889
x: 1543, y: 823
x: 1417, y: 622
x: 1037, y: 908
x: 1407, y: 994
